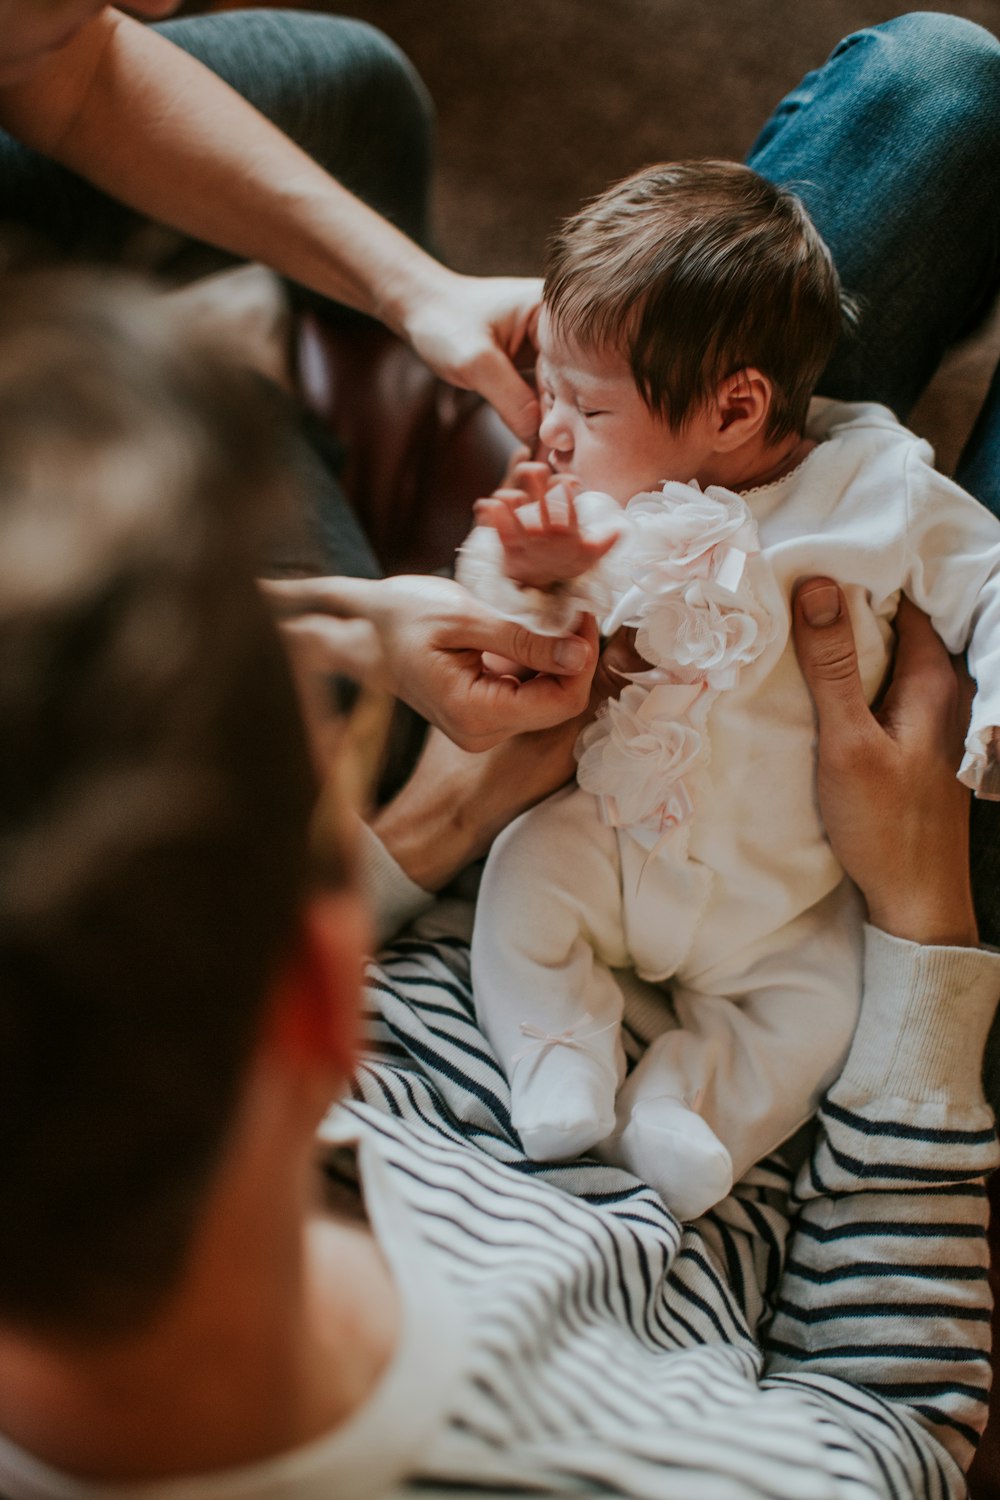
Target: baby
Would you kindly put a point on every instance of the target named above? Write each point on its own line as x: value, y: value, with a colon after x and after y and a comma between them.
x: 688, y: 314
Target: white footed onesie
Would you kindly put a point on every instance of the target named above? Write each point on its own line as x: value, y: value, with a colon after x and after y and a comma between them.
x: 691, y: 850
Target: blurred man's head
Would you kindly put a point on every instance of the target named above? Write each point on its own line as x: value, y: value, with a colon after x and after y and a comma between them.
x: 33, y: 31
x: 155, y: 791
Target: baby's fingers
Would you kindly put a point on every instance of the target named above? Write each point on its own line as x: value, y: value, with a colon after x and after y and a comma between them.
x: 571, y: 488
x: 499, y: 513
x: 558, y: 511
x: 600, y: 548
x: 507, y: 500
x: 530, y: 476
x: 510, y: 529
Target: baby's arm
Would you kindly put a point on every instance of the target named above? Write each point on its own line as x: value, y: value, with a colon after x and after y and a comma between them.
x: 536, y: 553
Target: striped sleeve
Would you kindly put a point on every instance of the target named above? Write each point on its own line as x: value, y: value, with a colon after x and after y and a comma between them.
x: 881, y: 1318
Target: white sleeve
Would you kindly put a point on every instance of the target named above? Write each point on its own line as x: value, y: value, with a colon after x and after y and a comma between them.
x: 953, y: 574
x: 394, y: 900
x: 480, y: 569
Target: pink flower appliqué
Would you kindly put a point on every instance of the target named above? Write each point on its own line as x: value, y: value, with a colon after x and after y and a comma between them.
x: 678, y: 533
x: 703, y: 627
x: 634, y: 755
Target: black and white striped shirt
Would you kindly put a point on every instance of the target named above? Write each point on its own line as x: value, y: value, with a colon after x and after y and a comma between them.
x: 822, y: 1338
x: 827, y: 1337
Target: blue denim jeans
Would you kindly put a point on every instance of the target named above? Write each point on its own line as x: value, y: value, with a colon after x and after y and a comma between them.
x: 894, y: 145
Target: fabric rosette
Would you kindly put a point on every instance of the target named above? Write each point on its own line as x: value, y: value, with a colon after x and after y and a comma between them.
x: 676, y: 535
x: 703, y: 627
x: 679, y: 531
x: 634, y: 756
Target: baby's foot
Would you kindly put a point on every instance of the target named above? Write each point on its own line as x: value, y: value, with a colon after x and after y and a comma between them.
x: 562, y: 1101
x: 669, y: 1145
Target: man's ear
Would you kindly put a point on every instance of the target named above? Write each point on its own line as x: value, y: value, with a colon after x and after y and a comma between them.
x: 743, y: 402
x: 316, y: 998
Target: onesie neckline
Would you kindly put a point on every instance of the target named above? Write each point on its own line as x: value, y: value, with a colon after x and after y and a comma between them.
x: 774, y: 484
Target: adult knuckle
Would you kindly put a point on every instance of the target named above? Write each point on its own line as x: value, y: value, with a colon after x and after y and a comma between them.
x: 836, y: 661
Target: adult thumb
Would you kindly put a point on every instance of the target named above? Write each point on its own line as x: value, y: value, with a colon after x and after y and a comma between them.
x: 824, y: 643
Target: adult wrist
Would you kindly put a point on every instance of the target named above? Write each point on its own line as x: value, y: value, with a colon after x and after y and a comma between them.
x: 404, y: 292
x: 946, y: 922
x: 425, y: 835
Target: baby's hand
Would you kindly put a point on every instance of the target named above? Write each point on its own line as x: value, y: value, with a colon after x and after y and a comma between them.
x: 536, y: 521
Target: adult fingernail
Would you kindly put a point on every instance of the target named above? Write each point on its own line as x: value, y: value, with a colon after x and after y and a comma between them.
x: 821, y: 605
x: 571, y: 654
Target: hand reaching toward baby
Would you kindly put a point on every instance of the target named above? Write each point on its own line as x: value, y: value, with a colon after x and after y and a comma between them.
x: 534, y: 516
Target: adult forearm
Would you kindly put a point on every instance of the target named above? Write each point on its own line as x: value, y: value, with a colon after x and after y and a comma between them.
x: 139, y: 118
x: 123, y: 98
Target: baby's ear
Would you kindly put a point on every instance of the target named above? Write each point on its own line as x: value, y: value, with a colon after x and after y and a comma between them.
x: 743, y: 402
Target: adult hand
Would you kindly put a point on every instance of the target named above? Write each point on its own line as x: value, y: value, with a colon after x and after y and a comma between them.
x: 469, y: 329
x: 896, y: 816
x: 431, y: 634
x: 455, y: 803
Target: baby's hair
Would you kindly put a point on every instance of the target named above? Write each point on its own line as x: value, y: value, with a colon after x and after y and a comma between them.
x: 695, y: 270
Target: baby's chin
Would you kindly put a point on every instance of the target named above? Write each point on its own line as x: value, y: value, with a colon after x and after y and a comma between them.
x: 620, y: 493
x: 605, y: 484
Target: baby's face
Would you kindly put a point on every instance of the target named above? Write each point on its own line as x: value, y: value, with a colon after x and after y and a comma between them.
x: 596, y: 426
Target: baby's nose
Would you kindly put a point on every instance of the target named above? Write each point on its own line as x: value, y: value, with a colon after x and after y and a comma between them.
x: 554, y: 433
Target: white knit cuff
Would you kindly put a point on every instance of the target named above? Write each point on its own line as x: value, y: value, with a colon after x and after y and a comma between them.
x: 924, y: 1020
x: 393, y: 898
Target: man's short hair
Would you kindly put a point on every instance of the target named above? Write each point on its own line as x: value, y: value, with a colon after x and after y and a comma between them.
x: 695, y: 270
x: 155, y: 789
